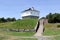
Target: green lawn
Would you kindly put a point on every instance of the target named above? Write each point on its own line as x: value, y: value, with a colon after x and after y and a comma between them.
x: 1, y: 38
x: 8, y: 38
x: 51, y: 25
x: 51, y: 29
x: 7, y: 35
x: 27, y: 39
x: 52, y: 32
x: 57, y: 38
x: 17, y: 33
x: 20, y: 33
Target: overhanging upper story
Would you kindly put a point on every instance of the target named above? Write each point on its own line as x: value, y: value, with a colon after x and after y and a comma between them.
x: 31, y: 12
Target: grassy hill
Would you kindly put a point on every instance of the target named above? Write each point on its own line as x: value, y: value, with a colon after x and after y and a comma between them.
x: 20, y: 24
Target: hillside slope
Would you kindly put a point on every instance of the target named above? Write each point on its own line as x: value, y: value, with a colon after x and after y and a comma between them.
x: 20, y: 24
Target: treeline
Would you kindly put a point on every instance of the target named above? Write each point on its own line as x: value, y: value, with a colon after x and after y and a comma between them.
x: 7, y: 19
x: 53, y: 17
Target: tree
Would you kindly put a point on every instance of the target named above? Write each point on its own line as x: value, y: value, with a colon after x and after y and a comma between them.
x: 53, y: 18
x: 43, y: 18
x: 49, y: 17
x: 8, y: 19
x: 3, y: 19
x: 13, y: 19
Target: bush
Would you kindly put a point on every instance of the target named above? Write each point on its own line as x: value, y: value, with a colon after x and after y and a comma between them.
x: 58, y: 26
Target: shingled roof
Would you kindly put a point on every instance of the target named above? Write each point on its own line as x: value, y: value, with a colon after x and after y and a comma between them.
x: 30, y: 9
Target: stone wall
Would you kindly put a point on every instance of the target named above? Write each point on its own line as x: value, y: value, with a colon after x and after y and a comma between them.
x: 18, y: 30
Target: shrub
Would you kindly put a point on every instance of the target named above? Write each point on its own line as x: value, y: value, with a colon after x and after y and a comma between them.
x: 58, y: 26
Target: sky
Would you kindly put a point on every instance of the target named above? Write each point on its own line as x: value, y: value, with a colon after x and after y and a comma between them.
x: 13, y: 8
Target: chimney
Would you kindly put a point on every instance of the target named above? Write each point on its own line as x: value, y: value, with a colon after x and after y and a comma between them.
x: 32, y: 8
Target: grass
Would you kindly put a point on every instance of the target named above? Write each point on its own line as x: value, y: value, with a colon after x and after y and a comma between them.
x: 17, y: 33
x: 52, y: 32
x: 13, y: 38
x: 51, y: 29
x: 1, y: 38
x: 56, y: 38
x: 21, y: 33
x: 20, y: 24
x: 51, y: 25
x: 27, y: 39
x: 8, y: 35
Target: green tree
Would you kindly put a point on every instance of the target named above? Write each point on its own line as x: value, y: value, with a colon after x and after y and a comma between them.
x: 3, y: 19
x: 49, y: 17
x: 13, y: 19
x: 53, y: 18
x: 8, y: 19
x: 42, y: 18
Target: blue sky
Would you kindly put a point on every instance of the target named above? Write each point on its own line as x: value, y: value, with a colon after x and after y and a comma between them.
x: 13, y: 8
